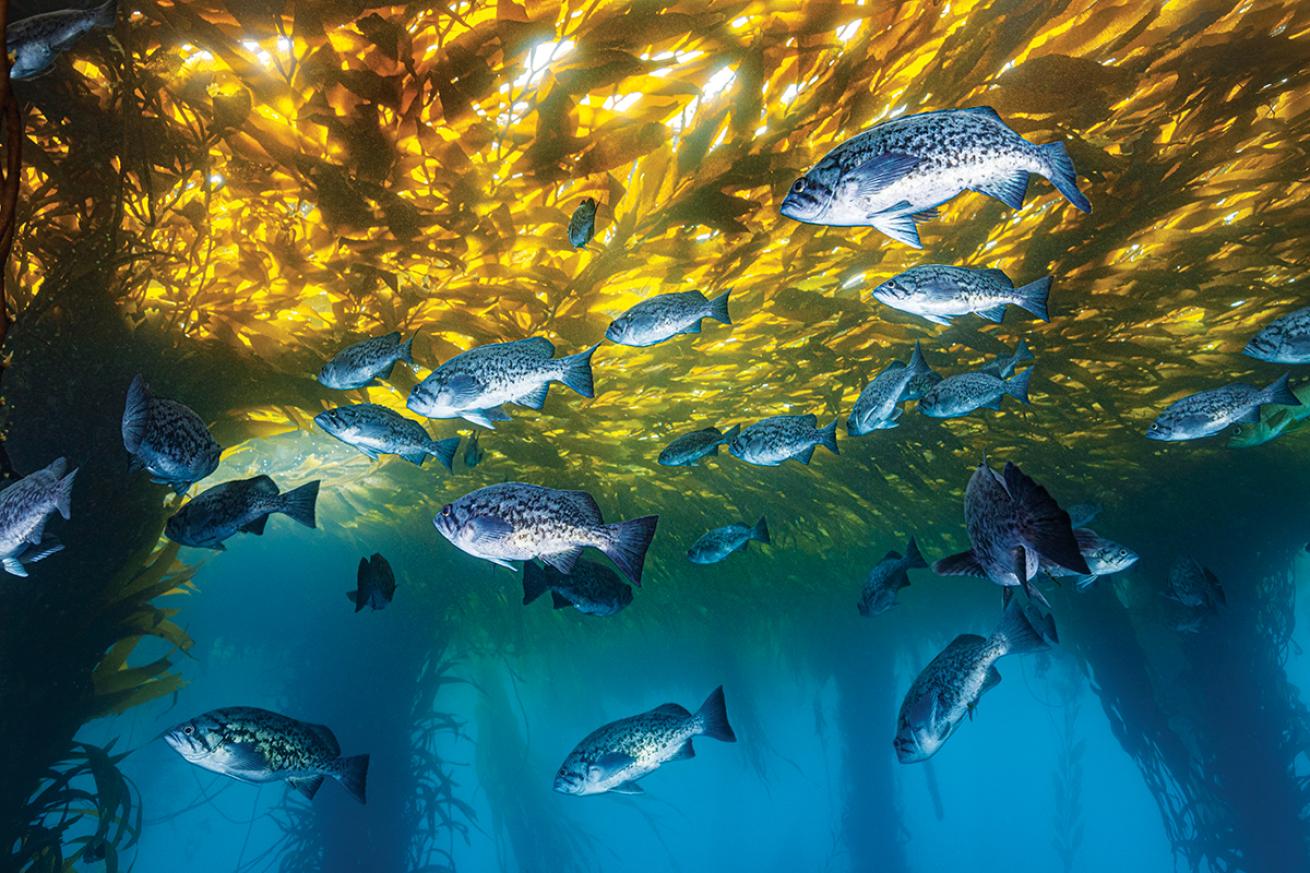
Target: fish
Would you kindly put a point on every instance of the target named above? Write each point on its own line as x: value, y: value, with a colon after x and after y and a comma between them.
x: 376, y: 430
x: 771, y: 441
x: 375, y: 583
x: 256, y: 746
x: 938, y: 293
x: 582, y: 223
x: 473, y: 385
x: 1195, y: 586
x: 1014, y: 524
x: 1209, y: 412
x: 242, y: 505
x: 362, y: 364
x: 615, y: 756
x: 167, y: 438
x: 25, y: 507
x: 715, y: 545
x: 1284, y: 340
x: 950, y: 687
x: 591, y: 589
x: 964, y: 393
x: 1004, y: 367
x: 473, y: 453
x: 513, y: 521
x: 1104, y: 558
x: 33, y: 43
x: 1274, y: 421
x: 664, y: 316
x: 888, y: 577
x: 896, y: 173
x: 689, y: 448
x: 879, y: 405
x: 920, y: 384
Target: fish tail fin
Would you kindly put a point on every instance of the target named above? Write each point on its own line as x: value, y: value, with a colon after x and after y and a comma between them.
x: 106, y: 14
x: 1042, y: 522
x: 352, y: 773
x: 299, y: 503
x: 1279, y: 393
x: 760, y: 533
x: 1020, y: 632
x: 918, y: 364
x: 407, y: 349
x: 828, y: 438
x: 1033, y: 297
x: 1021, y: 353
x: 1059, y: 169
x: 136, y: 413
x: 534, y: 582
x: 729, y: 435
x: 914, y: 557
x: 713, y: 718
x: 719, y: 308
x: 577, y: 372
x: 64, y: 495
x: 444, y: 451
x: 628, y: 542
x: 1017, y: 386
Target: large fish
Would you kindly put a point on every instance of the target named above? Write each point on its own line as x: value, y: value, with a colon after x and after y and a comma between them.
x: 376, y: 430
x: 1013, y: 524
x: 1004, y: 367
x: 888, y: 578
x: 255, y: 745
x: 939, y: 293
x: 167, y: 438
x: 950, y: 686
x: 242, y: 505
x: 689, y: 448
x: 473, y: 385
x: 879, y: 404
x: 517, y: 522
x: 592, y: 589
x: 1104, y: 558
x: 770, y: 442
x: 582, y: 224
x: 715, y: 545
x: 24, y: 508
x: 1194, y: 585
x: 664, y: 316
x: 375, y: 583
x: 898, y: 172
x: 966, y: 392
x: 365, y: 362
x: 1284, y: 340
x: 35, y: 42
x: 614, y: 757
x: 1208, y: 412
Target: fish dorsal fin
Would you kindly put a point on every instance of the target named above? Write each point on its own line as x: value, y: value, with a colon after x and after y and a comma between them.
x: 325, y: 736
x: 586, y: 504
x: 262, y: 485
x: 535, y: 345
x: 985, y: 112
x: 672, y: 709
x: 893, y: 555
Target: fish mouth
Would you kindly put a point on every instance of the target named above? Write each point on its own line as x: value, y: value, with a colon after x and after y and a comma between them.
x: 907, y: 752
x: 1261, y: 350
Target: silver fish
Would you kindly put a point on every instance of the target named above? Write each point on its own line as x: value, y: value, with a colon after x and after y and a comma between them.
x: 664, y: 316
x: 255, y: 745
x: 770, y: 442
x: 25, y: 506
x: 592, y: 589
x: 614, y: 757
x: 689, y: 448
x: 939, y: 293
x: 35, y: 42
x: 879, y: 405
x: 964, y: 393
x: 582, y: 224
x: 517, y: 522
x: 715, y: 545
x: 1284, y: 340
x: 1208, y: 412
x: 1104, y: 558
x: 950, y: 686
x: 887, y: 579
x: 898, y: 172
x: 167, y: 438
x: 375, y: 583
x: 376, y: 430
x: 242, y: 505
x: 473, y: 452
x: 1194, y: 585
x: 474, y: 384
x: 363, y: 363
x: 1005, y: 367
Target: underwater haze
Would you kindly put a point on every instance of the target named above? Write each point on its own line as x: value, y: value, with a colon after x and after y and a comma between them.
x: 771, y: 435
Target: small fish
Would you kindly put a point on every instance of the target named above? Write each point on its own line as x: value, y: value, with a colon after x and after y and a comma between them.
x: 376, y: 430
x: 517, y: 522
x: 474, y: 384
x: 35, y: 42
x: 1269, y: 428
x: 1208, y: 412
x: 713, y: 546
x: 950, y: 686
x: 25, y: 506
x: 255, y: 745
x: 1104, y: 558
x: 879, y: 404
x: 1195, y: 586
x: 614, y: 757
x: 664, y: 316
x: 582, y: 224
x: 898, y: 172
x: 887, y: 579
x: 592, y: 589
x: 242, y: 505
x: 167, y: 438
x: 473, y: 453
x: 363, y: 363
x: 769, y: 442
x: 964, y: 393
x: 375, y: 583
x: 939, y: 293
x: 1014, y: 524
x: 1284, y: 340
x: 1005, y: 367
x: 689, y: 448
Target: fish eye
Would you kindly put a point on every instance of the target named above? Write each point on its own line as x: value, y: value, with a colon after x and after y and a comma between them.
x: 188, y: 730
x: 799, y: 187
x: 445, y: 510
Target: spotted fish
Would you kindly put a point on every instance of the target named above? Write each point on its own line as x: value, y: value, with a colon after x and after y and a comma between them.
x: 1004, y: 367
x: 242, y: 505
x: 938, y: 293
x: 363, y: 363
x: 770, y: 442
x: 614, y: 757
x: 715, y: 545
x: 24, y: 508
x: 664, y: 316
x: 1194, y: 585
x: 35, y: 42
x: 879, y: 405
x: 964, y: 393
x: 376, y: 430
x: 592, y: 589
x: 888, y: 578
x: 582, y: 224
x: 375, y: 583
x: 1284, y: 340
x: 689, y: 448
x: 167, y: 438
x: 1208, y: 412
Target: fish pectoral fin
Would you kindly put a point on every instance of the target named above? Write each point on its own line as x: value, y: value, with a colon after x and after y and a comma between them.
x: 612, y: 762
x: 899, y: 226
x: 488, y: 530
x: 564, y: 561
x: 628, y: 788
x: 1251, y: 416
x: 962, y: 564
x: 255, y: 527
x: 308, y: 786
x: 1010, y: 190
x: 243, y: 758
x: 880, y: 171
x: 463, y: 388
x: 14, y: 567
x: 684, y: 752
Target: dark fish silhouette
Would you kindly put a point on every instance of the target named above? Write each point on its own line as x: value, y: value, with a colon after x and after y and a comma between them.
x: 375, y: 583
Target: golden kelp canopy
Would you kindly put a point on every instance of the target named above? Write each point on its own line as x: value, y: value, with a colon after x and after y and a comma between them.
x: 300, y: 175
